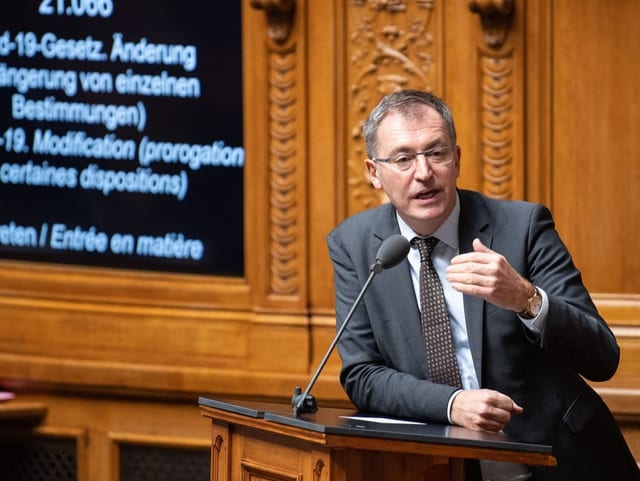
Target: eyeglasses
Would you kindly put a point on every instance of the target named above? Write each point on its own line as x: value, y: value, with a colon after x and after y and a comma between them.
x: 404, y: 161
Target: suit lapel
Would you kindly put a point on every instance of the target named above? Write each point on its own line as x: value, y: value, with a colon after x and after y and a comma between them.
x: 397, y: 281
x: 474, y: 223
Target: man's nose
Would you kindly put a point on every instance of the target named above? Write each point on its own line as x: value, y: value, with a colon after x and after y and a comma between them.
x: 422, y: 166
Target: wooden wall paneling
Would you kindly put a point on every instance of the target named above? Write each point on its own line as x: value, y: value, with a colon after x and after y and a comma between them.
x: 539, y: 96
x: 622, y: 392
x: 595, y: 174
x: 112, y: 348
x: 595, y: 117
x: 461, y: 86
x: 326, y: 156
x: 33, y: 280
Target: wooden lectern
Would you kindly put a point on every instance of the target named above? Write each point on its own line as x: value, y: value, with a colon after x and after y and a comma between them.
x: 254, y: 441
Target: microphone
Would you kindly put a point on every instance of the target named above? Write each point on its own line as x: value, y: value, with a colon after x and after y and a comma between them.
x: 390, y: 253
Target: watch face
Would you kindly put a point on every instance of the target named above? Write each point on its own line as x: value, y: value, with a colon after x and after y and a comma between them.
x: 536, y: 304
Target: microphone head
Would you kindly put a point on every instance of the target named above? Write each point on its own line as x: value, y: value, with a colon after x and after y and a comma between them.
x: 392, y: 251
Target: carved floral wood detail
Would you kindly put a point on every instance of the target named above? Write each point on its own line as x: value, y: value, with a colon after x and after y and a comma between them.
x: 390, y: 47
x: 496, y: 61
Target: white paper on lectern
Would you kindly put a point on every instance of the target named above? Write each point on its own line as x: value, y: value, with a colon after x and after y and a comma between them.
x: 373, y: 419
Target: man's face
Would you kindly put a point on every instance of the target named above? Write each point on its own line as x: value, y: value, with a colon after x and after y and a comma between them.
x: 425, y: 194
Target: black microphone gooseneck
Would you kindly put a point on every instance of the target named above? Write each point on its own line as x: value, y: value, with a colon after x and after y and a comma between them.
x: 391, y: 252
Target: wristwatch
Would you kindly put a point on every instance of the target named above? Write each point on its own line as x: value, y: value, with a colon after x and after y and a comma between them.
x: 534, y: 304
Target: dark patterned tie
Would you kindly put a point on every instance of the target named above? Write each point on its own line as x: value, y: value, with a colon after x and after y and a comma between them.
x: 441, y: 358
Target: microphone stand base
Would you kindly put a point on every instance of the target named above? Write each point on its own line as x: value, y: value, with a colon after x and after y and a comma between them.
x: 303, y: 404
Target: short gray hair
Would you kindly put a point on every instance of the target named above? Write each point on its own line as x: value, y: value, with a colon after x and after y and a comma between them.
x: 407, y: 102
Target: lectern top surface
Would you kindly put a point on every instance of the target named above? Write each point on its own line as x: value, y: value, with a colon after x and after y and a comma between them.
x: 347, y: 422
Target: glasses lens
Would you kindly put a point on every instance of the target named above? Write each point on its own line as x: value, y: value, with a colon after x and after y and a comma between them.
x: 404, y: 161
x: 439, y: 156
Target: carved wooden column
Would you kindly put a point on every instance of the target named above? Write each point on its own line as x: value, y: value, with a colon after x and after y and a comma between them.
x: 497, y: 87
x: 285, y: 126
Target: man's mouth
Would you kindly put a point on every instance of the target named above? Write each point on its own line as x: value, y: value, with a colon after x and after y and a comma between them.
x: 427, y: 194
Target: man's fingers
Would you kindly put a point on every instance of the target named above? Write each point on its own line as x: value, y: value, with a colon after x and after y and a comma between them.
x: 516, y: 408
x: 478, y: 246
x: 475, y: 257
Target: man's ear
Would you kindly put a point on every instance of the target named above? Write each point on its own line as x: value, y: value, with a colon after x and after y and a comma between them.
x: 372, y: 170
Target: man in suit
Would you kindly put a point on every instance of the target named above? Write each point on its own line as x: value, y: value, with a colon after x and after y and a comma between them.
x: 524, y: 328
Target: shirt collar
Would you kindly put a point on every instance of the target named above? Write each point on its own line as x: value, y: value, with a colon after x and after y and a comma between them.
x: 447, y: 232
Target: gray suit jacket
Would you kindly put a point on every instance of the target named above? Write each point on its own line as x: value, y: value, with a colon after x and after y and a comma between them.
x: 384, y: 368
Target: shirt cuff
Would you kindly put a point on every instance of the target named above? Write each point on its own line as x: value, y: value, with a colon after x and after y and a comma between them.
x: 450, y: 403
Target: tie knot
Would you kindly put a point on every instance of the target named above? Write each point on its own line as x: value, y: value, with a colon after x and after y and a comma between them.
x: 425, y: 246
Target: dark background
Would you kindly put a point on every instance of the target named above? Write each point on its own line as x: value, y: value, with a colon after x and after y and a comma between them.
x: 212, y: 210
